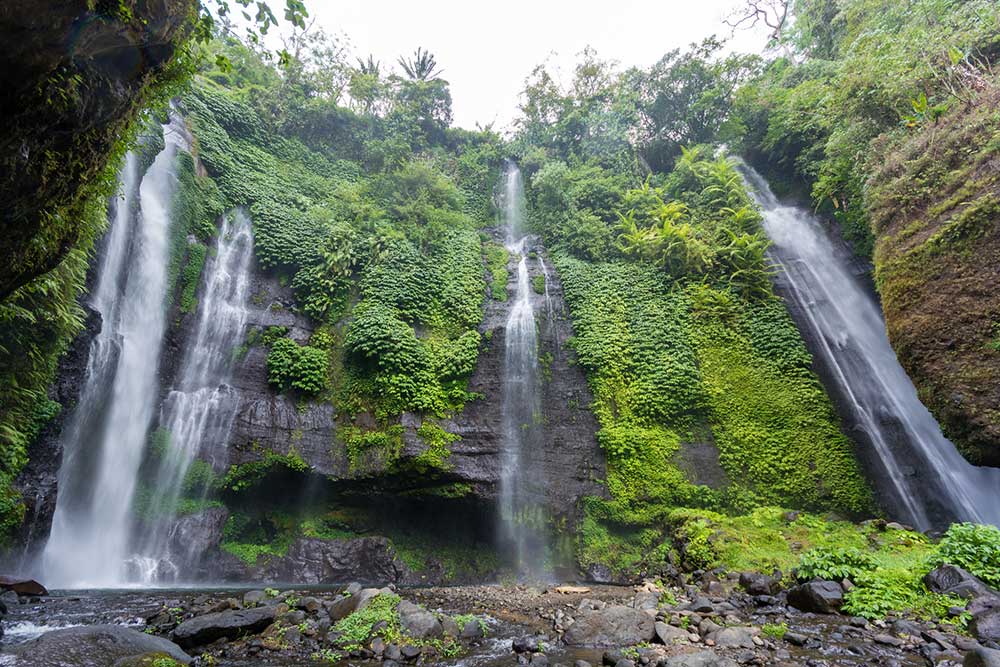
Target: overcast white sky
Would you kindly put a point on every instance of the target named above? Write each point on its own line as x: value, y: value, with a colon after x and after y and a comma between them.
x: 487, y: 49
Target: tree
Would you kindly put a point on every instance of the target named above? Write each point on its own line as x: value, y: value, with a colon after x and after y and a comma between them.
x: 773, y: 14
x: 421, y: 67
x: 686, y: 99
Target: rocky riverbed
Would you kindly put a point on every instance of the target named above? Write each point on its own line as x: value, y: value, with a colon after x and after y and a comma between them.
x: 714, y: 620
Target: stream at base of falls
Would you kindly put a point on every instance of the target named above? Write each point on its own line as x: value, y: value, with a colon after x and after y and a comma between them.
x: 513, y: 616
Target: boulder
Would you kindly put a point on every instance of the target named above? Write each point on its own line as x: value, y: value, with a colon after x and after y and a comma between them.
x: 254, y: 598
x: 669, y: 634
x: 700, y: 659
x: 822, y: 597
x: 21, y: 586
x: 759, y: 584
x: 364, y: 598
x: 733, y: 637
x: 341, y: 607
x: 985, y: 624
x: 982, y: 657
x: 611, y: 626
x: 206, y: 629
x: 646, y: 600
x: 473, y: 630
x: 93, y: 646
x: 417, y: 622
x: 953, y: 580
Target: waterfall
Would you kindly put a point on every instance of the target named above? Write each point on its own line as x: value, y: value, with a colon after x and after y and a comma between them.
x: 521, y: 510
x: 104, y: 441
x: 928, y: 479
x: 199, y: 411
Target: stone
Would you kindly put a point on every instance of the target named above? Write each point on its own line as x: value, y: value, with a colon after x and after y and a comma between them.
x: 410, y: 652
x: 21, y: 586
x: 953, y: 580
x: 341, y: 607
x: 582, y: 663
x: 668, y: 634
x: 309, y: 604
x: 417, y: 622
x: 982, y: 657
x: 759, y: 584
x: 527, y: 644
x: 701, y: 605
x: 646, y: 600
x: 700, y: 659
x: 734, y: 637
x: 473, y: 630
x: 611, y: 626
x: 293, y: 617
x: 795, y: 638
x: 93, y: 646
x: 539, y: 660
x: 9, y: 598
x: 392, y: 652
x: 624, y: 662
x: 206, y: 629
x: 888, y: 640
x: 985, y: 624
x: 450, y: 627
x: 364, y: 598
x: 822, y: 597
x: 353, y: 588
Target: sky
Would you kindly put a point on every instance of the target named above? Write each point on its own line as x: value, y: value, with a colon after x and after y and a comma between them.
x: 487, y: 50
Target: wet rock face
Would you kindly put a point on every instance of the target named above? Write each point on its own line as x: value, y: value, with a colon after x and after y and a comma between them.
x: 316, y: 561
x: 571, y: 459
x: 74, y: 77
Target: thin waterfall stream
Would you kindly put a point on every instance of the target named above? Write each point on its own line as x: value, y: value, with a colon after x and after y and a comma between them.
x: 927, y: 478
x: 521, y: 510
x: 197, y: 415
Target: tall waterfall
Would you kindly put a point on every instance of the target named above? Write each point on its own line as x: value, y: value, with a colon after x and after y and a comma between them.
x: 520, y: 489
x: 104, y: 441
x: 199, y: 411
x: 928, y: 479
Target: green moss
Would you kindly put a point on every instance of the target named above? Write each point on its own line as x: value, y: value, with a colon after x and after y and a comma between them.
x: 243, y: 476
x: 191, y: 276
x: 372, y: 449
x: 359, y: 627
x: 438, y: 450
x: 497, y: 257
x: 538, y: 284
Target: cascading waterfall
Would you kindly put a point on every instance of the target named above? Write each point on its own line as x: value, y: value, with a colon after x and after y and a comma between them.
x: 106, y: 436
x: 520, y: 489
x: 199, y: 411
x: 846, y: 323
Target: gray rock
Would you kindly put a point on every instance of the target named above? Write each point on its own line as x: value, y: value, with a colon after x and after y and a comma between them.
x: 668, y: 634
x: 985, y: 624
x: 450, y: 627
x: 755, y: 583
x: 92, y: 646
x: 982, y: 657
x: 646, y: 600
x: 624, y: 662
x: 206, y: 629
x: 341, y: 607
x: 539, y: 660
x: 701, y: 605
x: 473, y: 630
x: 953, y: 580
x: 253, y: 598
x: 582, y: 663
x: 312, y: 560
x: 364, y: 598
x: 795, y: 638
x: 353, y: 588
x: 309, y: 604
x: 823, y: 597
x: 611, y: 626
x: 887, y: 640
x: 417, y: 622
x: 734, y: 637
x: 410, y: 652
x: 701, y: 659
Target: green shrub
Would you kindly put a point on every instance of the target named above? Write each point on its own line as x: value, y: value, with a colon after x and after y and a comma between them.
x: 303, y: 367
x: 973, y: 547
x: 357, y: 629
x: 835, y: 564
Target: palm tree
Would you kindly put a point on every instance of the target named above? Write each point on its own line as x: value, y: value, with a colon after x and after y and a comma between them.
x: 421, y: 67
x: 370, y: 67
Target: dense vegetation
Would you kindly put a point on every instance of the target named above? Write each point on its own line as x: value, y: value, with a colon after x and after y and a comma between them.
x: 702, y: 385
